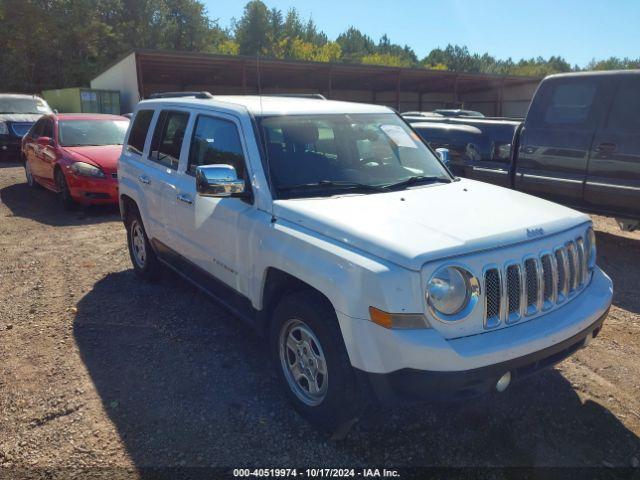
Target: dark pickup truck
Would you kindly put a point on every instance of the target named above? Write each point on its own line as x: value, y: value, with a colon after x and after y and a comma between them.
x: 578, y: 145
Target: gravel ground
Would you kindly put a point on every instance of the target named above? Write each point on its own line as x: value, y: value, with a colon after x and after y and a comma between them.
x: 100, y: 370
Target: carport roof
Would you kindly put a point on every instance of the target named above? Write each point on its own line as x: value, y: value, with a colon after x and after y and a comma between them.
x: 188, y: 68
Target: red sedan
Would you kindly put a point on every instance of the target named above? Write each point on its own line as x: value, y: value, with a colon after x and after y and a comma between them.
x: 76, y: 155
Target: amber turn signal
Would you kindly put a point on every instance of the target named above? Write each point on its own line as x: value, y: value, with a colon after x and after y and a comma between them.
x: 398, y: 320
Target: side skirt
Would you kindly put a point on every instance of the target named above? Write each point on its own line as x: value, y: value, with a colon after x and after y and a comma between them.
x: 225, y: 296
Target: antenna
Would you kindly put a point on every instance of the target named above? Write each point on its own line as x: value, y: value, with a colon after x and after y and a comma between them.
x: 259, y: 80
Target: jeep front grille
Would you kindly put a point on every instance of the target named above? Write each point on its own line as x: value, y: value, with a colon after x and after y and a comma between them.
x: 536, y: 284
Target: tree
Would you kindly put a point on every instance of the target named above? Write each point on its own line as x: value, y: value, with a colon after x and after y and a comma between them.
x: 386, y: 59
x: 355, y: 45
x: 253, y: 29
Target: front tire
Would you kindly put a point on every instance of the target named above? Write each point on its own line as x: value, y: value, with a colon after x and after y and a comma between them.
x: 311, y: 361
x: 67, y: 201
x: 144, y: 259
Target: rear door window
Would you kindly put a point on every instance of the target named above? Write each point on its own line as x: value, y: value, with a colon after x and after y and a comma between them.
x: 36, y: 130
x: 139, y: 130
x: 566, y: 104
x: 168, y: 137
x: 625, y: 110
x: 47, y: 129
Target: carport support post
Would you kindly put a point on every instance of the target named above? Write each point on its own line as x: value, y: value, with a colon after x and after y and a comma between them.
x: 501, y: 97
x: 419, y: 101
x: 398, y: 90
x: 244, y: 77
x: 455, y: 92
x: 330, y: 81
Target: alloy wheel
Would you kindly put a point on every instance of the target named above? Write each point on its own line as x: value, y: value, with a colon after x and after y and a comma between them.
x: 303, y: 362
x: 138, y: 245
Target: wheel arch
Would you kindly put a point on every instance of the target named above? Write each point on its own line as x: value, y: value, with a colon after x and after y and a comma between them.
x: 127, y: 204
x: 278, y: 284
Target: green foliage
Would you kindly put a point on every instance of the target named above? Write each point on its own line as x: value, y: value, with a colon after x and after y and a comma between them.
x: 386, y: 59
x: 614, y: 63
x: 62, y: 43
x: 355, y: 45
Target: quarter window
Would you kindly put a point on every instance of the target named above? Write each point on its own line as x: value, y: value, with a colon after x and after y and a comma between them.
x: 139, y: 130
x: 168, y: 137
x: 216, y: 141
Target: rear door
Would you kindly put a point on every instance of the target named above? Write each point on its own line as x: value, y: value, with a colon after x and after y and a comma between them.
x: 162, y: 163
x: 613, y: 180
x: 557, y: 136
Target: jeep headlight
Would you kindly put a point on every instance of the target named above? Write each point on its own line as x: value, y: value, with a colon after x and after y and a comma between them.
x: 86, y: 170
x: 590, y: 248
x: 451, y: 292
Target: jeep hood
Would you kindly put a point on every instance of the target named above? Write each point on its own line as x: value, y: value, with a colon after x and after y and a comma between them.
x: 421, y: 224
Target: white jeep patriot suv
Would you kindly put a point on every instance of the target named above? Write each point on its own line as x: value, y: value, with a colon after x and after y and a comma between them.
x: 336, y: 232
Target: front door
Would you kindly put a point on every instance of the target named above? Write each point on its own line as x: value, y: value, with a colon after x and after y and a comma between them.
x: 556, y: 138
x: 213, y: 233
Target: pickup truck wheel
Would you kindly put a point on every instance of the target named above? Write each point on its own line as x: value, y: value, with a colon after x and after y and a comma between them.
x: 144, y: 260
x: 312, y: 362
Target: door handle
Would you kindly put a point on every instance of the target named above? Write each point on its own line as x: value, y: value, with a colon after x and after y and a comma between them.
x: 144, y: 179
x: 606, y: 147
x: 185, y: 199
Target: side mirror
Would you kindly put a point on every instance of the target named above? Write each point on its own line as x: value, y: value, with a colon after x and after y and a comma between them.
x: 45, y: 141
x: 443, y: 154
x: 218, y: 181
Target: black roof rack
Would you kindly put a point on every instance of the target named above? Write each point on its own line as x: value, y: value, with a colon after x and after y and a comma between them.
x: 181, y: 94
x: 317, y: 96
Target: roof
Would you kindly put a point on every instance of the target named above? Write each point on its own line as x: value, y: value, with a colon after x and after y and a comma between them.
x: 178, y: 68
x: 596, y: 73
x: 266, y: 105
x: 88, y: 116
x: 19, y: 95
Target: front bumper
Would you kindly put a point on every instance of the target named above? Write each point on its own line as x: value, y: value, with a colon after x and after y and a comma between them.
x: 93, y: 191
x: 419, y: 360
x: 408, y: 385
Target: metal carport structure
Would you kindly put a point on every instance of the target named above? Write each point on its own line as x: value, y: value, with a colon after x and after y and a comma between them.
x: 143, y: 72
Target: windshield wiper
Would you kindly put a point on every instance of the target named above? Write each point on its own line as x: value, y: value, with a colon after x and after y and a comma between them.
x: 334, y: 184
x: 417, y: 180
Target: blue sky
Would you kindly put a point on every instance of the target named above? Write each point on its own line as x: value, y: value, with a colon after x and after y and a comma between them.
x: 578, y: 30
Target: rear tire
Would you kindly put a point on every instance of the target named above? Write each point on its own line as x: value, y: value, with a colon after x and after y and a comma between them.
x: 145, y: 262
x: 312, y: 363
x: 67, y: 201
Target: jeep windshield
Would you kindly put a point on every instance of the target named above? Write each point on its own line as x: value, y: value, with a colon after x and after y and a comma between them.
x: 25, y: 105
x: 331, y: 154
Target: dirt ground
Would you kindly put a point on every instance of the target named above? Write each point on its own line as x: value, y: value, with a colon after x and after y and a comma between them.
x: 100, y: 370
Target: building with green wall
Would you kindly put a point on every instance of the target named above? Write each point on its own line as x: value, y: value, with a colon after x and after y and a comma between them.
x: 83, y: 100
